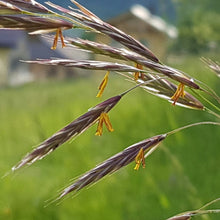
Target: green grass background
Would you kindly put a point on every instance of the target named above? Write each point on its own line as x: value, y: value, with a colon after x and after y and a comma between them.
x: 182, y: 174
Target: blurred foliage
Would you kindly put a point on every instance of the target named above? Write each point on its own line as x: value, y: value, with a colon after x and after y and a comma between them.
x: 198, y: 25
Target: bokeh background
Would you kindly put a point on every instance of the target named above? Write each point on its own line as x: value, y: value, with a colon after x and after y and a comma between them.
x: 182, y: 174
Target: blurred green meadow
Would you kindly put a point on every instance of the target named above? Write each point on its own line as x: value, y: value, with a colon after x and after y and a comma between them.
x: 182, y: 174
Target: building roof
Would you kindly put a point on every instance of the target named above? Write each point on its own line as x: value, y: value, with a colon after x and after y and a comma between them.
x: 142, y: 13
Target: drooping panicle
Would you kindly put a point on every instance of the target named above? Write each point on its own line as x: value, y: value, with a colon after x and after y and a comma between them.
x: 155, y: 83
x: 84, y: 18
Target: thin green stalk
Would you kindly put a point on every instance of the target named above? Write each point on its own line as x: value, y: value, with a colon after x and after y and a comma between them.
x: 192, y: 125
x: 200, y: 211
x: 210, y: 203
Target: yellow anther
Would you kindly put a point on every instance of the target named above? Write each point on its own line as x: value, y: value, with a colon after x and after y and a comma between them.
x: 137, y: 74
x: 103, y: 85
x: 179, y: 93
x: 103, y: 119
x: 107, y: 122
x: 62, y: 38
x: 58, y: 33
x: 139, y: 159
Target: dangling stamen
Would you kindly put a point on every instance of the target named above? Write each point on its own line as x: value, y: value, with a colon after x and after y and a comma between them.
x: 140, y: 159
x: 55, y: 41
x: 103, y: 119
x: 137, y: 74
x: 179, y: 93
x: 103, y: 85
x: 108, y: 123
x: 61, y: 38
x: 100, y: 126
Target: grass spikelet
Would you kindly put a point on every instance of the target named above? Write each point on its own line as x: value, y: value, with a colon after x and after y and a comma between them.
x: 165, y: 89
x: 124, y: 54
x: 86, y: 64
x: 73, y: 129
x: 112, y: 164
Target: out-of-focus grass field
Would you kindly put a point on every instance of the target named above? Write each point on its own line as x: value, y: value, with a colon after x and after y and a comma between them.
x: 182, y: 174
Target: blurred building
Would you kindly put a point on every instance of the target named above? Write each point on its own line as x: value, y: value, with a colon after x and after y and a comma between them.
x: 16, y: 46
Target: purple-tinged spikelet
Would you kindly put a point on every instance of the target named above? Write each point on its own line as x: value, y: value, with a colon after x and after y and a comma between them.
x: 73, y: 129
x: 113, y: 164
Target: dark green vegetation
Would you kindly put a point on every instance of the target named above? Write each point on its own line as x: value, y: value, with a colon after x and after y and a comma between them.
x: 198, y: 25
x: 182, y: 174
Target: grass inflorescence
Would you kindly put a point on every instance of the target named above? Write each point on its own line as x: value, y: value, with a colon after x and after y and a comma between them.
x: 132, y: 60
